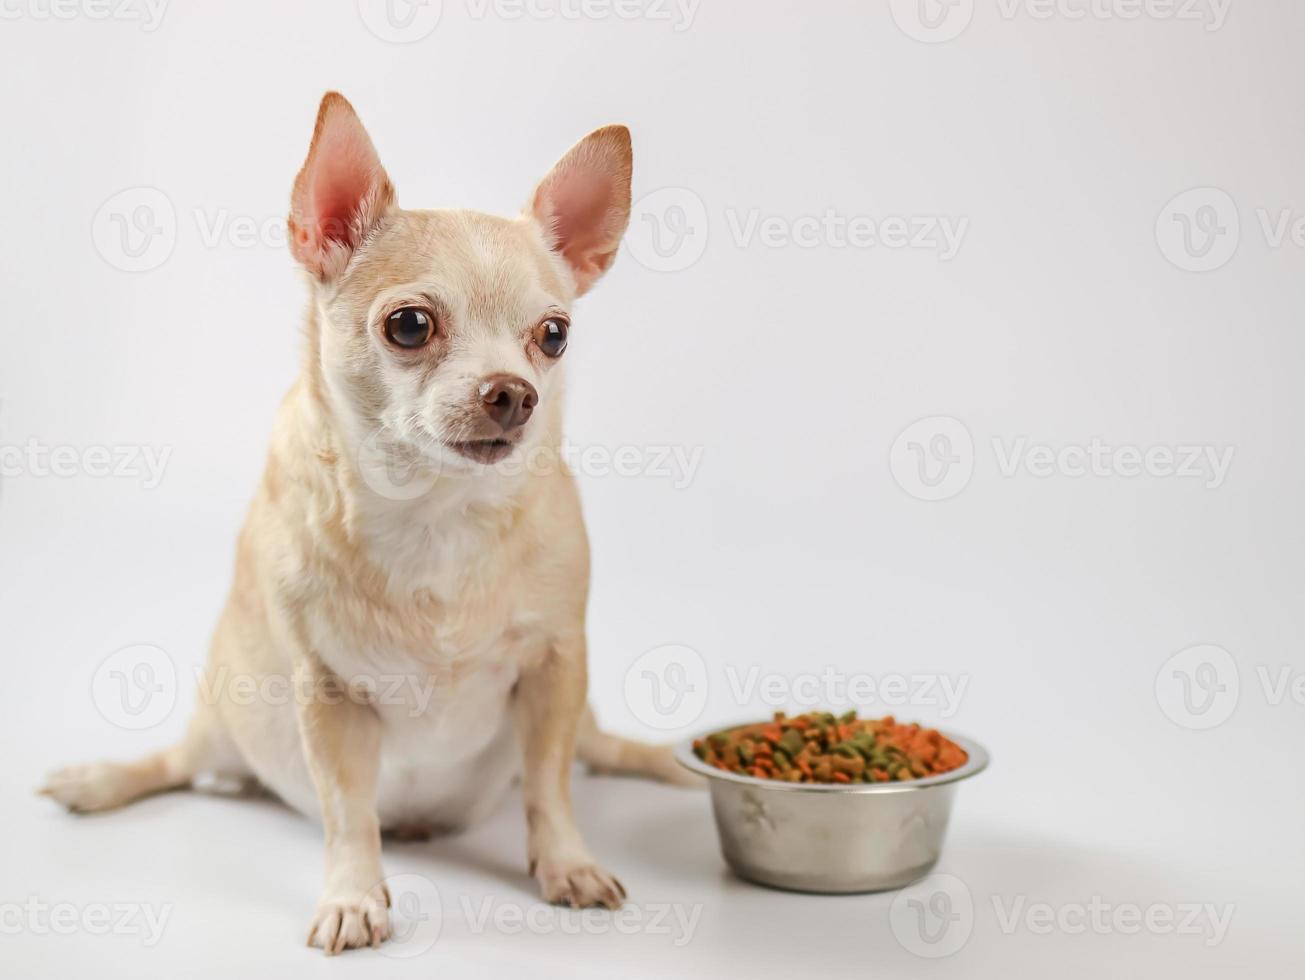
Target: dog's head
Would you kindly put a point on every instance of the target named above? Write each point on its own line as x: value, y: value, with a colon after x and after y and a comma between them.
x: 444, y: 330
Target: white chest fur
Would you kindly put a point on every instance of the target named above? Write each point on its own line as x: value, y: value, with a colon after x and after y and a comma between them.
x: 439, y: 652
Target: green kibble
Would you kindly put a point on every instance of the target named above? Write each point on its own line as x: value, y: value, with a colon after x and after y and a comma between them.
x: 792, y: 742
x: 864, y: 745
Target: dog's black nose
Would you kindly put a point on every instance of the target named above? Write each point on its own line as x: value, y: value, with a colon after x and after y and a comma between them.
x: 508, y: 400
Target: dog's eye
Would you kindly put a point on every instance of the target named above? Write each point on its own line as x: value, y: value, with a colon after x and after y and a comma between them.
x: 409, y: 327
x: 551, y: 336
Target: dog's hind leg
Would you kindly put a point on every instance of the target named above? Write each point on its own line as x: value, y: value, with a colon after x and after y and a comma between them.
x: 613, y: 755
x: 105, y: 785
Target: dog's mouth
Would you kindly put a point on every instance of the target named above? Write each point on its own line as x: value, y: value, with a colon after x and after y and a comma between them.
x: 485, y: 451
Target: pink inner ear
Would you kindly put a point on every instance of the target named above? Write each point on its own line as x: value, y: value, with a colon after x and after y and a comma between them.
x: 580, y: 204
x: 342, y: 180
x: 340, y: 194
x: 585, y: 203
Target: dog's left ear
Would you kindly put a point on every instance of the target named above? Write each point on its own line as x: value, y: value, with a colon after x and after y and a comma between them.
x: 584, y: 203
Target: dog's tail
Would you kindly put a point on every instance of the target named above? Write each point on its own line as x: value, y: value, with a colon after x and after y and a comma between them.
x: 613, y: 755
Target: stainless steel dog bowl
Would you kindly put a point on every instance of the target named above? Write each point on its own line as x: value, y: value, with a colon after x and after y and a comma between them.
x: 833, y: 838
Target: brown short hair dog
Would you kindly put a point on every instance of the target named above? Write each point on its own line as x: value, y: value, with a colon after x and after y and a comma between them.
x: 420, y: 593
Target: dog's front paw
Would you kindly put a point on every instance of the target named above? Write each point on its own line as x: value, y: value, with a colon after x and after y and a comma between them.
x: 350, y: 921
x: 578, y: 884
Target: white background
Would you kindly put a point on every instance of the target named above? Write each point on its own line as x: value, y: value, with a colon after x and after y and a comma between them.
x: 1068, y: 315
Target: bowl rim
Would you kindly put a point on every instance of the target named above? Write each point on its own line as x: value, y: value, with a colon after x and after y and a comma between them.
x: 976, y: 762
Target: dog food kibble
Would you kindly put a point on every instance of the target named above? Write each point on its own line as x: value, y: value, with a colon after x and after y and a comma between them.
x: 823, y: 748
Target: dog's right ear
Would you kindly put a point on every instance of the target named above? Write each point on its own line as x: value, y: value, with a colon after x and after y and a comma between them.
x: 342, y: 193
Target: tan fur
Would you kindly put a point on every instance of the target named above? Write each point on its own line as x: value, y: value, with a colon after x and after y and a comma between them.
x: 474, y: 591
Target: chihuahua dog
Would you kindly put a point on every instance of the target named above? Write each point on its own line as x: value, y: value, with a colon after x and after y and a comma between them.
x: 415, y: 653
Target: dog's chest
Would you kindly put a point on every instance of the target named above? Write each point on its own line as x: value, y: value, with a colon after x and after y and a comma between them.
x: 441, y: 644
x: 436, y: 651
